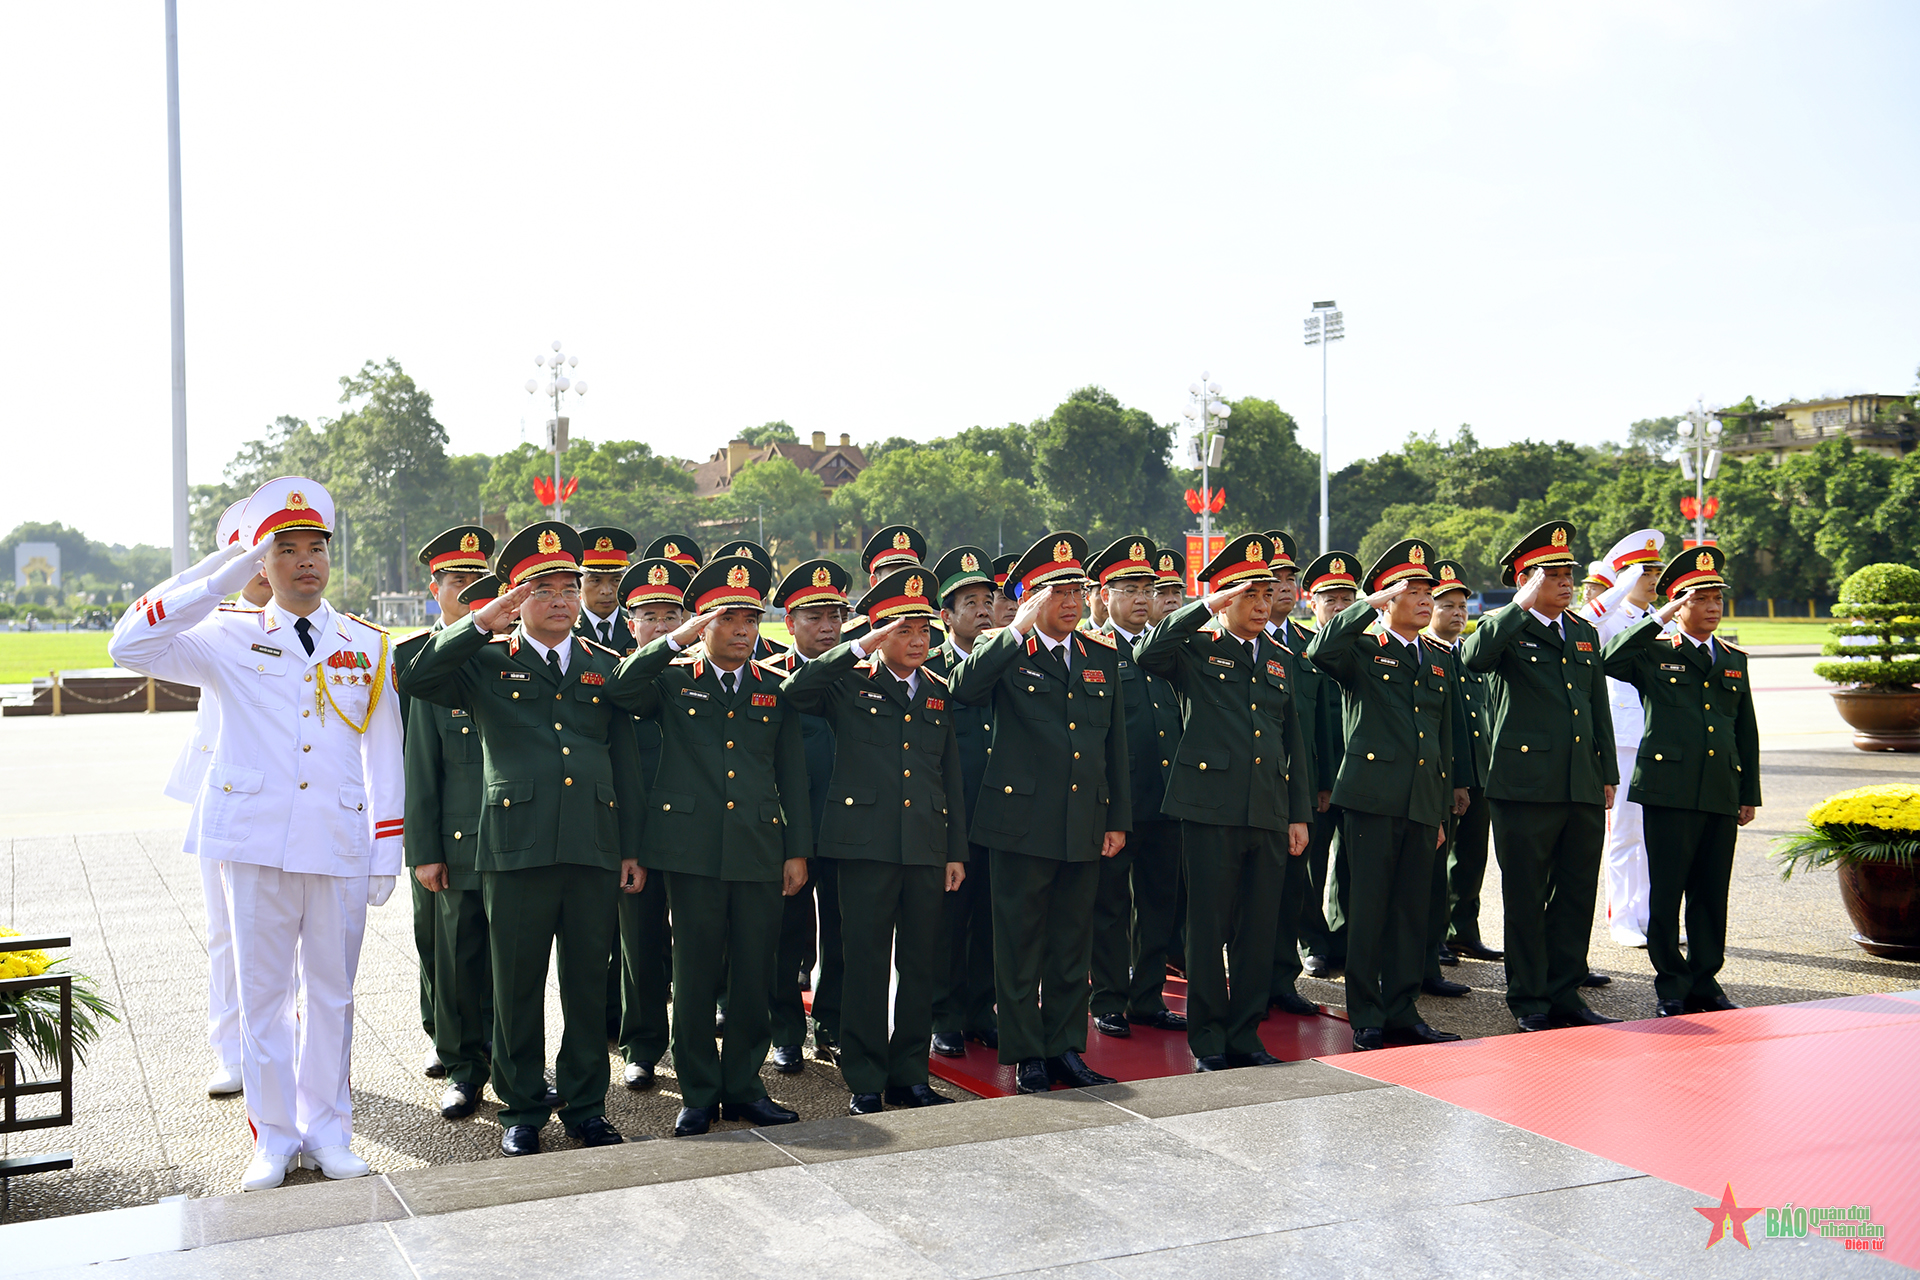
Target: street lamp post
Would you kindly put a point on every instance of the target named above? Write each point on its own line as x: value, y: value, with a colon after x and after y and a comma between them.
x: 1208, y: 411
x: 1699, y: 433
x: 557, y: 385
x: 1325, y: 326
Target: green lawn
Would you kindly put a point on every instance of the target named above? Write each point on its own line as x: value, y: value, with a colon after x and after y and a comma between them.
x: 1752, y: 631
x: 26, y: 654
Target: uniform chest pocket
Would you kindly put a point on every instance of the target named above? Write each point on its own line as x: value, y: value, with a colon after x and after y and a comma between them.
x: 872, y: 719
x: 1033, y: 698
x: 692, y: 702
x: 1437, y: 683
x: 516, y: 694
x: 592, y: 713
x: 460, y: 741
x: 1098, y: 705
x: 1732, y: 683
x: 262, y: 679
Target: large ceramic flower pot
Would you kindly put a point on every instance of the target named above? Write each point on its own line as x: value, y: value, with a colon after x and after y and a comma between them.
x: 1883, y: 719
x: 1884, y: 901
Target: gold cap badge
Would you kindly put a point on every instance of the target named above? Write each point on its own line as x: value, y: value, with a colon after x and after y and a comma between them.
x: 915, y: 586
x: 737, y: 576
x: 1062, y: 551
x: 671, y: 550
x: 1137, y: 552
x: 603, y: 544
x: 657, y: 576
x: 901, y: 542
x: 822, y: 577
x: 1559, y: 537
x: 296, y: 501
x: 548, y: 542
x: 1254, y: 553
x: 1337, y: 565
x: 469, y: 542
x: 1705, y: 562
x: 1417, y: 555
x: 969, y: 562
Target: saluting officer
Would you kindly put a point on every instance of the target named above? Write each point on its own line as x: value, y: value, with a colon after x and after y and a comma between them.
x: 1392, y: 786
x: 445, y: 795
x: 603, y: 565
x: 1697, y: 776
x: 302, y: 807
x: 1332, y: 586
x: 560, y: 827
x: 1471, y: 752
x: 653, y: 592
x: 1139, y: 886
x: 1314, y: 696
x: 677, y: 547
x: 1553, y: 741
x: 762, y: 647
x: 814, y: 596
x: 727, y: 824
x: 963, y: 972
x: 1054, y: 801
x: 1242, y: 786
x: 1004, y: 605
x: 894, y: 824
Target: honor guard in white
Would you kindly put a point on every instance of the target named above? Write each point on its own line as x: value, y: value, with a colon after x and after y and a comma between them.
x: 1633, y: 563
x: 302, y: 805
x: 188, y: 777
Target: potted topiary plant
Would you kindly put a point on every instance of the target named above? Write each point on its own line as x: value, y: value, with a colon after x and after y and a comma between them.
x: 1875, y: 657
x: 1871, y: 836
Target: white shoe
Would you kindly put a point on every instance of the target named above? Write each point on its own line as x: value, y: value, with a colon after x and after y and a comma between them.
x: 1630, y: 937
x: 335, y: 1162
x: 225, y: 1082
x: 267, y: 1171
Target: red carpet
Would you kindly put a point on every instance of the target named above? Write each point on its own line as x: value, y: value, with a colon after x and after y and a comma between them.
x: 1810, y: 1104
x: 1148, y: 1053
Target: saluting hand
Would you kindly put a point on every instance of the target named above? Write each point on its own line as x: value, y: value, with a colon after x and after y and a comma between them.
x: 1029, y: 611
x: 500, y: 611
x: 1382, y: 598
x: 1672, y: 607
x: 694, y: 628
x: 1529, y: 593
x: 869, y: 644
x: 1221, y: 599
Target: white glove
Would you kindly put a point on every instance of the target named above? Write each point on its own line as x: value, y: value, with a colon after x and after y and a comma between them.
x: 242, y: 566
x: 379, y: 889
x: 202, y: 569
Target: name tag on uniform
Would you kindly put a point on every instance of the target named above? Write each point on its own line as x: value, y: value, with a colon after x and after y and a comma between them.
x: 267, y: 649
x: 874, y: 694
x: 592, y: 677
x: 764, y: 700
x: 1439, y: 671
x: 1385, y: 661
x: 1529, y: 644
x: 515, y: 675
x: 1221, y: 662
x: 1583, y: 646
x: 936, y: 704
x: 1277, y: 670
x: 455, y: 711
x: 693, y: 693
x: 1673, y: 666
x: 1031, y: 674
x: 1093, y: 675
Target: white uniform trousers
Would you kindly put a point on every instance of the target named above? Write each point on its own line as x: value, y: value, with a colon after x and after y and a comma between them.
x: 295, y: 933
x: 1623, y: 862
x: 223, y: 987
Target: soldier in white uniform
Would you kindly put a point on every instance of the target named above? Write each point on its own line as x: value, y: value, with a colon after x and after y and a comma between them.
x: 302, y: 805
x: 1634, y: 562
x: 189, y: 775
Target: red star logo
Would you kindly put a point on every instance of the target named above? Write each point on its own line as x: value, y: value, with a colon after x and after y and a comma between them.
x: 1728, y: 1216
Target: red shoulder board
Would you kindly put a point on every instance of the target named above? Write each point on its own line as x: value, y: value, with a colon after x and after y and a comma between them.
x: 765, y: 700
x: 936, y: 704
x: 592, y: 677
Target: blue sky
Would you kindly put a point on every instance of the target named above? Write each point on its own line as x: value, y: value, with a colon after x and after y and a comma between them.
x: 1545, y: 220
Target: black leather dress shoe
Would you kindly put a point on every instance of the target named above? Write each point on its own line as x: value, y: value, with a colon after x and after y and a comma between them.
x: 1420, y: 1033
x: 1712, y: 1004
x: 551, y: 1099
x: 1444, y: 987
x: 458, y: 1102
x: 1474, y: 949
x: 693, y: 1121
x: 950, y: 1044
x: 759, y: 1113
x: 1031, y: 1076
x: 1365, y: 1038
x: 787, y: 1060
x: 520, y: 1140
x: 1069, y: 1070
x: 823, y: 1044
x: 1317, y: 966
x: 1112, y: 1024
x: 1669, y: 1009
x: 1258, y: 1058
x: 1295, y: 1003
x: 864, y: 1104
x: 637, y: 1076
x: 1445, y: 955
x: 1212, y: 1062
x: 1533, y: 1022
x: 594, y: 1131
x: 987, y: 1039
x: 914, y: 1095
x: 1584, y: 1017
x: 1164, y: 1019
x: 1594, y: 979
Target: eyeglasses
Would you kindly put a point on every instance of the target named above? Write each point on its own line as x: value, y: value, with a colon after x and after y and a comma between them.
x: 1130, y: 591
x: 546, y: 595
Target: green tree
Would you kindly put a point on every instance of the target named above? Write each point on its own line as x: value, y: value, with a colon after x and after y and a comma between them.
x: 1105, y: 468
x: 953, y: 494
x: 1474, y: 537
x: 1271, y: 482
x: 769, y: 433
x: 777, y: 504
x: 1360, y: 492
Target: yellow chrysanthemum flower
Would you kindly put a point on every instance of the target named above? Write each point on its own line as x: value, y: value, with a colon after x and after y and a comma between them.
x: 21, y: 964
x: 1891, y: 806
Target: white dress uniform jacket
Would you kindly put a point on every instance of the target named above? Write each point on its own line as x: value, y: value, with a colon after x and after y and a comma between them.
x: 1613, y: 616
x: 291, y: 782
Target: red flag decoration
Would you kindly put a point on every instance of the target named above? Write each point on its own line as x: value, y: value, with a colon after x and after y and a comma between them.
x: 1219, y: 500
x: 1688, y: 507
x: 1713, y: 507
x: 543, y: 491
x: 573, y: 486
x: 1193, y: 501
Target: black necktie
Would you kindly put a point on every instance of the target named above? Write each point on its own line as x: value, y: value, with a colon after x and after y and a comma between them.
x: 305, y: 629
x: 606, y: 634
x: 553, y: 660
x: 726, y: 682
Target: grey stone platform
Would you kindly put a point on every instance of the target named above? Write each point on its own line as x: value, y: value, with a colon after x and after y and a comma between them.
x: 1303, y: 1170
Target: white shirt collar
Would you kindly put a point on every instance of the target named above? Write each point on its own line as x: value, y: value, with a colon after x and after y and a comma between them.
x: 564, y: 649
x: 1412, y: 641
x: 1131, y: 637
x: 321, y: 624
x: 1551, y: 624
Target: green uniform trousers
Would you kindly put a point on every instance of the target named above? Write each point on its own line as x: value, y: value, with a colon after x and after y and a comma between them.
x: 1323, y: 916
x: 889, y: 920
x: 644, y: 964
x: 1436, y: 932
x: 1234, y: 881
x: 1690, y: 856
x: 1289, y: 935
x: 1467, y: 867
x: 1042, y: 944
x: 722, y: 930
x: 1391, y: 866
x: 823, y: 876
x: 462, y: 985
x: 963, y: 982
x: 1133, y: 921
x: 530, y: 913
x: 1549, y: 856
x: 794, y: 955
x: 425, y: 916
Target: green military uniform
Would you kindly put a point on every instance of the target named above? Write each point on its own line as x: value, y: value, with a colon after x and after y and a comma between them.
x: 1553, y: 741
x: 1467, y: 851
x: 1471, y: 751
x: 1133, y: 920
x: 728, y: 807
x: 894, y: 820
x: 763, y: 648
x: 1055, y: 783
x: 563, y: 809
x: 1242, y: 775
x: 1699, y: 762
x: 963, y: 976
x: 1323, y: 909
x: 1393, y: 785
x: 606, y: 551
